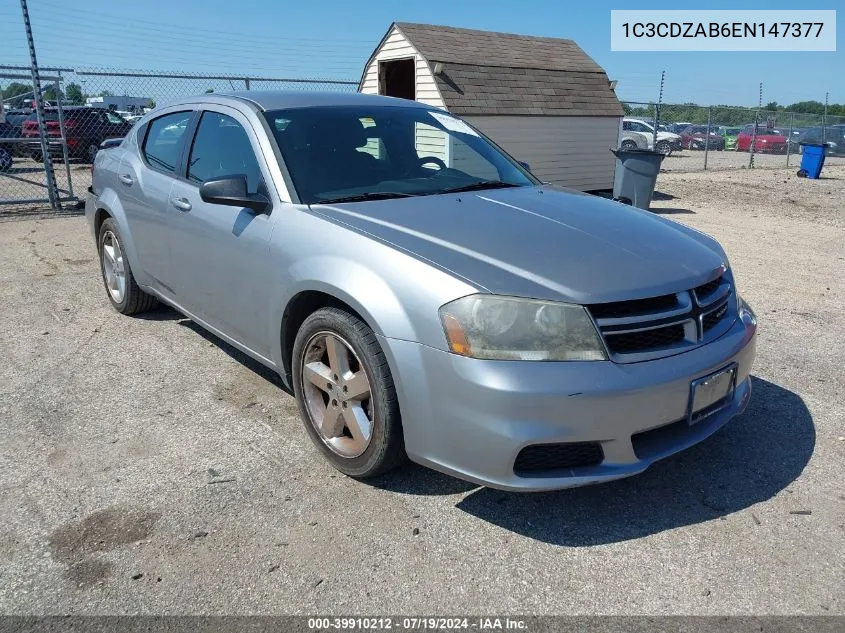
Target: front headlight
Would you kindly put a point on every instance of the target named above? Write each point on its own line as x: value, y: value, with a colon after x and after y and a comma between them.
x: 510, y: 328
x: 746, y: 314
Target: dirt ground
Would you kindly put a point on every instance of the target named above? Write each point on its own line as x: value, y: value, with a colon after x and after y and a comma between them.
x: 149, y: 468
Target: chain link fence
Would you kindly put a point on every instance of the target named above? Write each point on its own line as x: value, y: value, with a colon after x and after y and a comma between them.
x: 86, y: 106
x: 720, y: 137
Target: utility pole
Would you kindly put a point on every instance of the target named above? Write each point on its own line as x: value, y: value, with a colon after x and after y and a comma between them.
x: 754, y: 132
x: 52, y: 188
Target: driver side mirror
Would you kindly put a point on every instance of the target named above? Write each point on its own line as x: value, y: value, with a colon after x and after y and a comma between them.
x: 525, y: 165
x: 231, y: 191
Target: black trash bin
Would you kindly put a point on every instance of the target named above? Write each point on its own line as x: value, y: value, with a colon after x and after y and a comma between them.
x: 636, y: 175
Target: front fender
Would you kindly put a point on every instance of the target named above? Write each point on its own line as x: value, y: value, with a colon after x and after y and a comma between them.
x: 397, y: 295
x: 355, y: 284
x: 109, y: 201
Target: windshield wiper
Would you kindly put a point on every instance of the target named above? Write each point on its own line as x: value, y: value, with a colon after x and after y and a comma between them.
x: 476, y: 186
x: 363, y: 197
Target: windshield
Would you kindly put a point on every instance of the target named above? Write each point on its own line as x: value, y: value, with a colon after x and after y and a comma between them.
x: 354, y: 153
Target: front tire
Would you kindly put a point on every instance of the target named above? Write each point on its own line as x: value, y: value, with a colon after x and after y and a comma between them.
x: 628, y: 145
x: 664, y: 147
x: 121, y: 288
x: 345, y: 393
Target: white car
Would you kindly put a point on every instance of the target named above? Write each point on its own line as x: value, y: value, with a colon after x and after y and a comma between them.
x: 634, y: 140
x: 667, y: 142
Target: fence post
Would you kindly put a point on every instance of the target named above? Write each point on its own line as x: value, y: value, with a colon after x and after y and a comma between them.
x: 789, y: 138
x: 753, y: 140
x: 824, y: 120
x: 49, y: 174
x: 707, y: 138
x: 246, y: 82
x: 654, y: 113
x: 64, y: 137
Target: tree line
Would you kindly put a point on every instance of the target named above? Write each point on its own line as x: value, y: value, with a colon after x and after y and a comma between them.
x: 803, y: 113
x: 72, y: 94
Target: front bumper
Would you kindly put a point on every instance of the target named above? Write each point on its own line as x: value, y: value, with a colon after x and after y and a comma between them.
x: 770, y: 148
x: 470, y: 418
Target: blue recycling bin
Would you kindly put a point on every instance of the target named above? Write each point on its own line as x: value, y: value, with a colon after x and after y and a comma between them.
x: 812, y: 160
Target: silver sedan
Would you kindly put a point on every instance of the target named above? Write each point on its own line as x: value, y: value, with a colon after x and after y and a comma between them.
x: 422, y: 293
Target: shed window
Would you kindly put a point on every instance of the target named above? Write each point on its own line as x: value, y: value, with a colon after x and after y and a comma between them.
x: 397, y: 78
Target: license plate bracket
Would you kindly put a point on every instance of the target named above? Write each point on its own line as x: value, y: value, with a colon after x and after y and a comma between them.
x: 711, y: 393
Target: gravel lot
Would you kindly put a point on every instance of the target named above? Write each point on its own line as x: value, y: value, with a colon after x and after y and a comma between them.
x: 149, y: 468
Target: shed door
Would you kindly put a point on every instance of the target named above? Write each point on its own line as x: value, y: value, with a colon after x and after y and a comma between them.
x: 397, y: 78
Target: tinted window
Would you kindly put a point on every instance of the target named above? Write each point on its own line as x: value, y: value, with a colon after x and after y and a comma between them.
x: 222, y: 148
x: 49, y: 115
x: 164, y: 140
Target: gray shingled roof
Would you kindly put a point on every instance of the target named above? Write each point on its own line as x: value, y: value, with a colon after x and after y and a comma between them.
x: 502, y: 73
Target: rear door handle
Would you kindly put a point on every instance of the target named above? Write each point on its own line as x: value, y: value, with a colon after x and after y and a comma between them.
x: 183, y: 204
x: 126, y: 179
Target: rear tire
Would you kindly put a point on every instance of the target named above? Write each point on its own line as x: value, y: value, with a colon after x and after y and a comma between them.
x: 121, y: 288
x: 628, y: 145
x: 334, y: 350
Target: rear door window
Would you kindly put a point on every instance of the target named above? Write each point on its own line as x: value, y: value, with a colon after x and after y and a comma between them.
x: 222, y: 148
x: 165, y: 137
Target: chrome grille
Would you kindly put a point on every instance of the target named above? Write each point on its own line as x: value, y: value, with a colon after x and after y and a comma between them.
x: 652, y: 327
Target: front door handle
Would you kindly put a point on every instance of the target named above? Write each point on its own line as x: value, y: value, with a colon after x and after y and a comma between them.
x: 183, y: 204
x: 126, y: 179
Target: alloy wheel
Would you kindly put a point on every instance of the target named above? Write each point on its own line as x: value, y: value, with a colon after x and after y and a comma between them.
x: 114, y: 271
x: 336, y: 391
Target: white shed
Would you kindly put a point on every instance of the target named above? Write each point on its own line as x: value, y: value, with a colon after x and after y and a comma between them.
x: 542, y: 99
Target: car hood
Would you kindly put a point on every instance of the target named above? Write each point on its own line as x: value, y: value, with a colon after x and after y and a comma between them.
x: 540, y: 242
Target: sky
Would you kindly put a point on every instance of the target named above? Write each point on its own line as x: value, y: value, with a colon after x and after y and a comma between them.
x: 334, y: 38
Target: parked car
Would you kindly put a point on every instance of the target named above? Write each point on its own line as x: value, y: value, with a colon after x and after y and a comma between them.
x: 7, y: 149
x: 390, y: 286
x: 697, y: 137
x: 768, y: 140
x: 633, y: 140
x: 679, y: 127
x: 667, y: 142
x: 729, y: 134
x: 14, y: 121
x: 834, y: 139
x: 85, y: 128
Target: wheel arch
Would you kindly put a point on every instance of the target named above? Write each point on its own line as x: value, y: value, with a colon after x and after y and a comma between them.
x: 307, y: 300
x: 108, y: 205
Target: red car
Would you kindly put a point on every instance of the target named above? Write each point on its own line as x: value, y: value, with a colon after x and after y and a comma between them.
x: 767, y: 140
x: 86, y: 128
x: 696, y: 137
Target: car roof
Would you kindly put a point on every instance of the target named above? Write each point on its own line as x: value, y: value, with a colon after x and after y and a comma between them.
x: 279, y: 99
